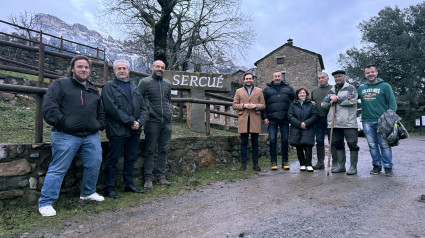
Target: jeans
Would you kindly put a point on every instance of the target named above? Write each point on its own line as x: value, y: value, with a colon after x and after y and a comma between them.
x: 320, y: 127
x: 244, y: 147
x: 157, y: 137
x: 117, y: 147
x: 64, y: 149
x: 379, y: 149
x: 284, y: 133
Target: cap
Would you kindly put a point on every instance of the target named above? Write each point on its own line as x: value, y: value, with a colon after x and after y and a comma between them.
x: 338, y: 72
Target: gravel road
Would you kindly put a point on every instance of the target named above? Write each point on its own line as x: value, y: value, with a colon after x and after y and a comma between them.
x: 279, y: 204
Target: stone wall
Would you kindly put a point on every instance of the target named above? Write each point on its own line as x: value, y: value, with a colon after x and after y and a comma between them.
x: 23, y: 166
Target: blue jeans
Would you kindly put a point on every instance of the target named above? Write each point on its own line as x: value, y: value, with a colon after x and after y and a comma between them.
x: 157, y: 137
x: 320, y: 127
x: 379, y: 149
x: 284, y: 133
x: 64, y: 149
x: 244, y: 147
x: 117, y: 147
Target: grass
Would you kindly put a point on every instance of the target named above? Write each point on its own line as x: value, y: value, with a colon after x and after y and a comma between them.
x: 15, y: 221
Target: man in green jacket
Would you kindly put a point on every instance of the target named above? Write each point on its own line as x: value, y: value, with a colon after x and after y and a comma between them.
x: 377, y: 97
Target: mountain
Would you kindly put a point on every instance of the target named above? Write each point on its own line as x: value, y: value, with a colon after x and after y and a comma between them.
x: 79, y: 33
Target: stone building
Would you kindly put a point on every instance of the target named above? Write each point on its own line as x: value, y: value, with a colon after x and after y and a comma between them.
x: 299, y: 67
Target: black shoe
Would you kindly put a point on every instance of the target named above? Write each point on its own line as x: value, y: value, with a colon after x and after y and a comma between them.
x: 376, y: 170
x: 388, y: 172
x: 257, y: 168
x: 112, y: 194
x: 243, y: 167
x: 133, y: 189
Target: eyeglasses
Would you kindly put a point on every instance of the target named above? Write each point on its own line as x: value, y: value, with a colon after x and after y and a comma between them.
x: 159, y: 67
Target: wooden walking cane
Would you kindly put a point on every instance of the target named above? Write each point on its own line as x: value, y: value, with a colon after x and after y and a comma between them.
x: 330, y: 140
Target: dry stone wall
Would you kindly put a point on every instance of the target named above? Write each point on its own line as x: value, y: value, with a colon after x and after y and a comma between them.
x: 23, y: 167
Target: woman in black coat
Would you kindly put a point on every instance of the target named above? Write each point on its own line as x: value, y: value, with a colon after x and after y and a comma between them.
x: 302, y: 115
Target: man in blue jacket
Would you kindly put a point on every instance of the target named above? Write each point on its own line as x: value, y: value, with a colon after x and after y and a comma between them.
x: 156, y: 91
x: 73, y: 107
x: 125, y: 115
x: 278, y: 96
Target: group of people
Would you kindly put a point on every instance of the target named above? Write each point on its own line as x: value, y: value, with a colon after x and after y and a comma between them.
x: 310, y: 118
x: 76, y: 110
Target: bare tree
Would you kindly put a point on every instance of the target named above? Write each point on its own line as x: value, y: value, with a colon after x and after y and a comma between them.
x: 198, y: 30
x: 27, y: 21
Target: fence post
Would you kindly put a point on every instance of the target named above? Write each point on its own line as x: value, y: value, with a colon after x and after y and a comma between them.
x: 226, y: 109
x: 207, y: 118
x: 181, y: 105
x: 97, y: 53
x: 39, y: 97
x: 41, y: 38
x: 105, y: 72
x: 61, y: 48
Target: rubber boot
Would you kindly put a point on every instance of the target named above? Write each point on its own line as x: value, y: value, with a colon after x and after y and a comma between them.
x: 334, y: 159
x: 320, y: 157
x: 340, y: 154
x: 354, y: 157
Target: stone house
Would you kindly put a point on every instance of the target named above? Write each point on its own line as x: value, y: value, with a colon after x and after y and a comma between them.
x: 299, y: 67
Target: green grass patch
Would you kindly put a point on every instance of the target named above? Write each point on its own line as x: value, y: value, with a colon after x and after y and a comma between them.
x: 15, y: 221
x: 24, y: 76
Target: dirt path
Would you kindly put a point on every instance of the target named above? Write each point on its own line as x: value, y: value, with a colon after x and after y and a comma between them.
x: 280, y: 204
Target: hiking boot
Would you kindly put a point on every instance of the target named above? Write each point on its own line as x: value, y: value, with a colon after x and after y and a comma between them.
x: 243, y: 167
x: 47, y: 211
x: 320, y: 157
x: 148, y: 184
x: 285, y: 166
x: 376, y: 170
x: 274, y: 166
x: 388, y: 172
x: 257, y: 168
x: 164, y: 182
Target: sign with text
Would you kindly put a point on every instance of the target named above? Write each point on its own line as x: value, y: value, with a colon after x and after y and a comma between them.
x: 200, y: 81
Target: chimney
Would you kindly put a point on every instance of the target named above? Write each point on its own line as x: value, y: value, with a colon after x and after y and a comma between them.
x: 290, y: 42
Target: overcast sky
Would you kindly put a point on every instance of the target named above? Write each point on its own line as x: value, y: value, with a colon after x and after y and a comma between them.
x: 327, y: 27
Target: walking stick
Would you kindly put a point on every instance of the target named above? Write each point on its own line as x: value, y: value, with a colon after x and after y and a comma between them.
x: 330, y: 140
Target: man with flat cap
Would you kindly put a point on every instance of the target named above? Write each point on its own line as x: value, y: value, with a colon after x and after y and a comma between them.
x: 344, y: 97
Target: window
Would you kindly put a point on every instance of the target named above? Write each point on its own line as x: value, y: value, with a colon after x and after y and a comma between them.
x: 283, y: 76
x: 280, y: 60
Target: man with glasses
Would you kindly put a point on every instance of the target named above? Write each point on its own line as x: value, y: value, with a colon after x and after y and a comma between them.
x: 156, y: 92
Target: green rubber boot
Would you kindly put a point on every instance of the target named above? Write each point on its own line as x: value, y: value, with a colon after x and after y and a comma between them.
x: 340, y: 154
x: 320, y: 157
x: 334, y: 159
x: 354, y: 157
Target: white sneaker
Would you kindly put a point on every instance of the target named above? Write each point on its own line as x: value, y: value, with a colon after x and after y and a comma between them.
x: 94, y: 197
x: 47, y: 211
x: 310, y: 169
x: 302, y: 168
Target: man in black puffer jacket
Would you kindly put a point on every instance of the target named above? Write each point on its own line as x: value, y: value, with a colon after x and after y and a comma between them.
x: 278, y: 96
x: 156, y: 91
